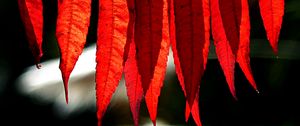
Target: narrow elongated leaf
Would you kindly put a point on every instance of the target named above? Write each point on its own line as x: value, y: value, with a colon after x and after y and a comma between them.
x: 133, y: 84
x: 112, y: 32
x: 132, y: 76
x: 198, y: 35
x: 244, y: 46
x: 175, y: 56
x: 230, y: 12
x: 31, y: 12
x: 71, y: 31
x: 222, y: 42
x: 177, y: 65
x: 148, y: 37
x: 234, y: 21
x: 227, y: 62
x: 272, y: 12
x: 130, y: 29
x: 195, y: 111
x: 152, y: 43
x: 192, y: 43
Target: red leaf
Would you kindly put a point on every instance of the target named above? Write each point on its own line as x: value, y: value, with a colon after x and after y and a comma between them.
x: 130, y: 29
x: 59, y: 2
x: 224, y: 52
x: 230, y: 12
x: 244, y: 49
x: 71, y: 31
x: 148, y: 37
x: 272, y: 12
x: 227, y: 62
x: 195, y: 108
x: 192, y: 44
x: 205, y: 31
x: 232, y: 26
x: 31, y: 12
x: 176, y: 59
x: 195, y: 111
x: 133, y: 84
x: 152, y: 42
x: 112, y: 31
x: 132, y: 76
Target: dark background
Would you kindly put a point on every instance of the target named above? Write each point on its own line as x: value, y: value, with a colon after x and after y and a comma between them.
x: 278, y: 103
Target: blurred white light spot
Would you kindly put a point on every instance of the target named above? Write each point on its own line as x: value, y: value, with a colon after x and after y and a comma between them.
x: 45, y: 85
x: 159, y: 122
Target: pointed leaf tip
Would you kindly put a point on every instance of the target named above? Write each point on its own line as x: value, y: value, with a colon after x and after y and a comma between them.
x: 154, y: 122
x: 66, y: 94
x: 194, y: 111
x: 66, y: 76
x: 71, y: 30
x: 224, y: 52
x: 31, y: 12
x: 231, y: 33
x: 272, y: 12
x: 112, y: 31
x: 152, y: 44
x: 243, y: 58
x: 192, y: 43
x: 190, y: 15
x: 132, y: 77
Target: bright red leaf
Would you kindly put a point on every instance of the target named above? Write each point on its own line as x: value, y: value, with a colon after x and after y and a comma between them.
x: 235, y: 23
x: 195, y: 111
x: 223, y: 49
x: 71, y: 30
x: 136, y: 34
x: 230, y: 13
x: 272, y: 12
x: 130, y: 29
x: 232, y: 26
x: 192, y: 43
x: 112, y: 32
x: 152, y: 44
x: 148, y: 37
x: 133, y: 84
x: 192, y: 37
x: 132, y: 76
x: 177, y: 64
x: 244, y: 46
x: 31, y: 12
